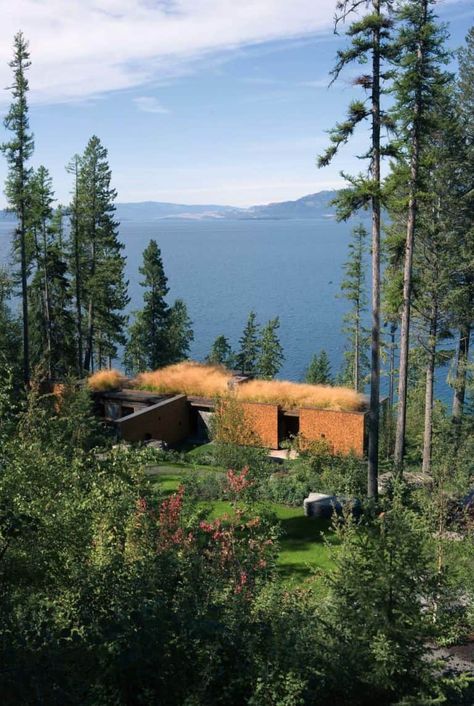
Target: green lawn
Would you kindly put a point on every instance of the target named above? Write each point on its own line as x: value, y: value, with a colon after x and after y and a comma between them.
x: 303, y: 549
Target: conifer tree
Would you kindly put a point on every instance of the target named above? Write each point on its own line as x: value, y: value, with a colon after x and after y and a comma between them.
x: 419, y: 81
x: 319, y: 370
x: 147, y: 347
x: 10, y: 328
x: 77, y: 258
x: 104, y: 289
x: 52, y: 335
x: 178, y: 332
x: 353, y: 289
x: 463, y: 271
x: 18, y: 152
x: 370, y: 44
x: 221, y: 353
x: 247, y: 356
x: 270, y: 357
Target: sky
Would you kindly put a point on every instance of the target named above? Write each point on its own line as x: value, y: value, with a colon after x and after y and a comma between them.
x: 197, y: 101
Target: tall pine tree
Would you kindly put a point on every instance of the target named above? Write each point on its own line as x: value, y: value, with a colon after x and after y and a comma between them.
x: 247, y: 357
x: 417, y: 87
x: 463, y: 271
x: 103, y: 289
x: 18, y: 152
x: 353, y: 290
x: 270, y: 358
x: 52, y: 334
x: 370, y: 44
x: 160, y: 335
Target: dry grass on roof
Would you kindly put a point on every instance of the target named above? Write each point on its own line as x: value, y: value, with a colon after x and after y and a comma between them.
x: 199, y: 380
x: 293, y: 395
x: 188, y: 378
x: 104, y: 380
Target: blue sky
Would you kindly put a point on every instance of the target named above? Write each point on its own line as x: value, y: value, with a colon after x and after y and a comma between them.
x: 197, y: 101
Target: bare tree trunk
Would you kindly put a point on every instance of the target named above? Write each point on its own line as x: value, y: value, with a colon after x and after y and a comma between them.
x: 47, y: 302
x: 374, y: 410
x: 77, y: 267
x: 407, y: 274
x: 461, y: 372
x: 430, y: 371
x: 24, y: 299
x: 356, y: 356
x: 405, y: 324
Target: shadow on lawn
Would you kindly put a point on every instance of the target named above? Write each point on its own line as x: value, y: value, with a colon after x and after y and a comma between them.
x: 301, y: 530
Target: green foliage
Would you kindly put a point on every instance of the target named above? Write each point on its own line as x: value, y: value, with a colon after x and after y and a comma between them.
x: 383, y: 593
x: 160, y: 334
x: 179, y: 332
x: 99, y: 265
x: 20, y: 148
x: 319, y: 370
x: 354, y: 291
x: 221, y: 353
x: 52, y: 323
x: 270, y: 358
x: 18, y: 151
x: 247, y: 357
x: 10, y: 338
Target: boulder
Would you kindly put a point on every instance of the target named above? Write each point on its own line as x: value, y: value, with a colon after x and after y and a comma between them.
x: 321, y: 505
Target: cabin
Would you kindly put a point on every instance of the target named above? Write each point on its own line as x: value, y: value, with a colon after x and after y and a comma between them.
x: 174, y: 416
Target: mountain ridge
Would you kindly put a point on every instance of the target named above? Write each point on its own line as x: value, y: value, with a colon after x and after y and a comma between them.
x: 315, y: 205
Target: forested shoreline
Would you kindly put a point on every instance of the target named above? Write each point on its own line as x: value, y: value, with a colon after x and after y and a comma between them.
x: 136, y: 575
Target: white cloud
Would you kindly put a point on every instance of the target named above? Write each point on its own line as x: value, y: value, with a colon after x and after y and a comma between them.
x: 82, y: 48
x: 149, y: 104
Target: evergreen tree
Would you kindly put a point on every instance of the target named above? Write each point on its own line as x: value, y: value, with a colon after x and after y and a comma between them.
x: 104, y: 289
x: 52, y: 333
x: 160, y: 335
x: 221, y: 353
x: 463, y: 272
x: 147, y: 347
x: 18, y: 151
x: 77, y: 259
x: 353, y: 288
x: 179, y: 332
x: 382, y: 614
x: 10, y: 328
x: 419, y: 81
x: 247, y: 356
x: 370, y: 43
x: 270, y: 357
x: 319, y: 370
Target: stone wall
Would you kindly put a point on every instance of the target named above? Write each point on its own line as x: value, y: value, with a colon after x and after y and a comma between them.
x: 167, y: 420
x: 344, y: 431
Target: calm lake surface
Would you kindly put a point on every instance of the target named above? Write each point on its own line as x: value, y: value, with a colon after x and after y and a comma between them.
x: 223, y: 269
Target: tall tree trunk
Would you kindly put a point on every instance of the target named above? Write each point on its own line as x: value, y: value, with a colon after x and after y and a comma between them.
x: 89, y: 356
x: 407, y: 271
x: 430, y: 371
x: 24, y: 299
x: 373, y: 451
x: 461, y: 373
x: 357, y: 354
x: 77, y: 273
x: 47, y: 303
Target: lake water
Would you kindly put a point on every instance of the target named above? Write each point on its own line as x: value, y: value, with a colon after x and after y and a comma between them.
x: 223, y: 269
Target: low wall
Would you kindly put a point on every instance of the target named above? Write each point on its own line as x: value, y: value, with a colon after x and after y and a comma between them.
x: 262, y: 418
x: 344, y: 431
x: 167, y: 420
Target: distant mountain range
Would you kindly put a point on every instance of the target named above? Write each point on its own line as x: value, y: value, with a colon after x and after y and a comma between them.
x: 312, y: 206
x: 317, y: 206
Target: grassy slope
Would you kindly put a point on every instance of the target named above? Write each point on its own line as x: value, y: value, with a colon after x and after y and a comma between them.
x: 303, y: 549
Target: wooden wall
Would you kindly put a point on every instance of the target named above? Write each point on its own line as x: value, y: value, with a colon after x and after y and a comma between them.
x: 344, y: 431
x: 167, y: 420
